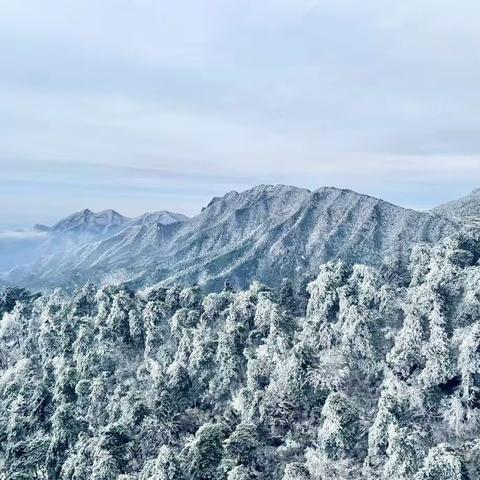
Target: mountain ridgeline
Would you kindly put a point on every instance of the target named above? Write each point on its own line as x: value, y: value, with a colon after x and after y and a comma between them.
x: 265, y: 233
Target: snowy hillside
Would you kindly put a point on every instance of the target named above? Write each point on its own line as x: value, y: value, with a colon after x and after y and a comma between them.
x: 265, y: 233
x: 464, y: 209
x: 368, y: 374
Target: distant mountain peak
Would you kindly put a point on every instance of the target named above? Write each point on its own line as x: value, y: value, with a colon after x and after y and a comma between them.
x: 88, y: 222
x: 163, y: 217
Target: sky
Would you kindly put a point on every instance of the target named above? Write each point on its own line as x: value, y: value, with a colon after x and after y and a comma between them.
x: 142, y: 105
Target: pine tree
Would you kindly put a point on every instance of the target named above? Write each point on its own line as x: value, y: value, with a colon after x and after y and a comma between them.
x: 390, y: 407
x: 439, y: 366
x: 323, y: 302
x: 204, y: 454
x: 406, y: 357
x: 166, y: 466
x: 403, y: 452
x: 239, y: 473
x: 339, y: 436
x: 242, y: 443
x: 362, y: 341
x: 296, y: 471
x: 104, y: 466
x: 442, y: 463
x: 286, y: 297
x: 469, y: 364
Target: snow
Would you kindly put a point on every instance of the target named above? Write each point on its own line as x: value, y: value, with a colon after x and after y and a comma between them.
x: 267, y: 232
x: 466, y: 209
x: 371, y: 373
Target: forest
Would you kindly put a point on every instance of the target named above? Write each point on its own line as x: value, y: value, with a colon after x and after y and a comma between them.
x: 363, y: 373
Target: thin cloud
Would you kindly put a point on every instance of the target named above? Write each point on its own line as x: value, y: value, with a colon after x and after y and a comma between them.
x: 21, y: 235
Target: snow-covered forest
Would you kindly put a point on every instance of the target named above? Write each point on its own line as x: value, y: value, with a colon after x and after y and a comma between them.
x: 369, y: 373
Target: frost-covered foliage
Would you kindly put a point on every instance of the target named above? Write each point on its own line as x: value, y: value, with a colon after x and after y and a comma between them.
x: 377, y: 377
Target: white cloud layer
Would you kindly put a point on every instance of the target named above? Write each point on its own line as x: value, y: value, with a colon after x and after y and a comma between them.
x: 21, y: 235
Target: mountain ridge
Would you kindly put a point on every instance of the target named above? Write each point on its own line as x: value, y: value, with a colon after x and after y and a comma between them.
x: 265, y: 233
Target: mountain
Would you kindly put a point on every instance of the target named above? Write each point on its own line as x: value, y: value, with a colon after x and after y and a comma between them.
x: 107, y: 222
x: 162, y: 217
x: 264, y: 233
x: 24, y: 250
x: 88, y: 222
x: 464, y: 209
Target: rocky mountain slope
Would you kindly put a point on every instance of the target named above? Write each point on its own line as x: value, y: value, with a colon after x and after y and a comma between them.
x: 265, y: 233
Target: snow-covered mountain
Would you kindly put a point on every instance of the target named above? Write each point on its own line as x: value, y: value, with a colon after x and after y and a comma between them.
x: 464, y: 209
x: 107, y: 222
x: 265, y: 233
x: 87, y: 222
x: 162, y: 217
x: 23, y: 251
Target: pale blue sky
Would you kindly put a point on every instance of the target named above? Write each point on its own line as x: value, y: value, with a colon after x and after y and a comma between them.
x: 145, y: 105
